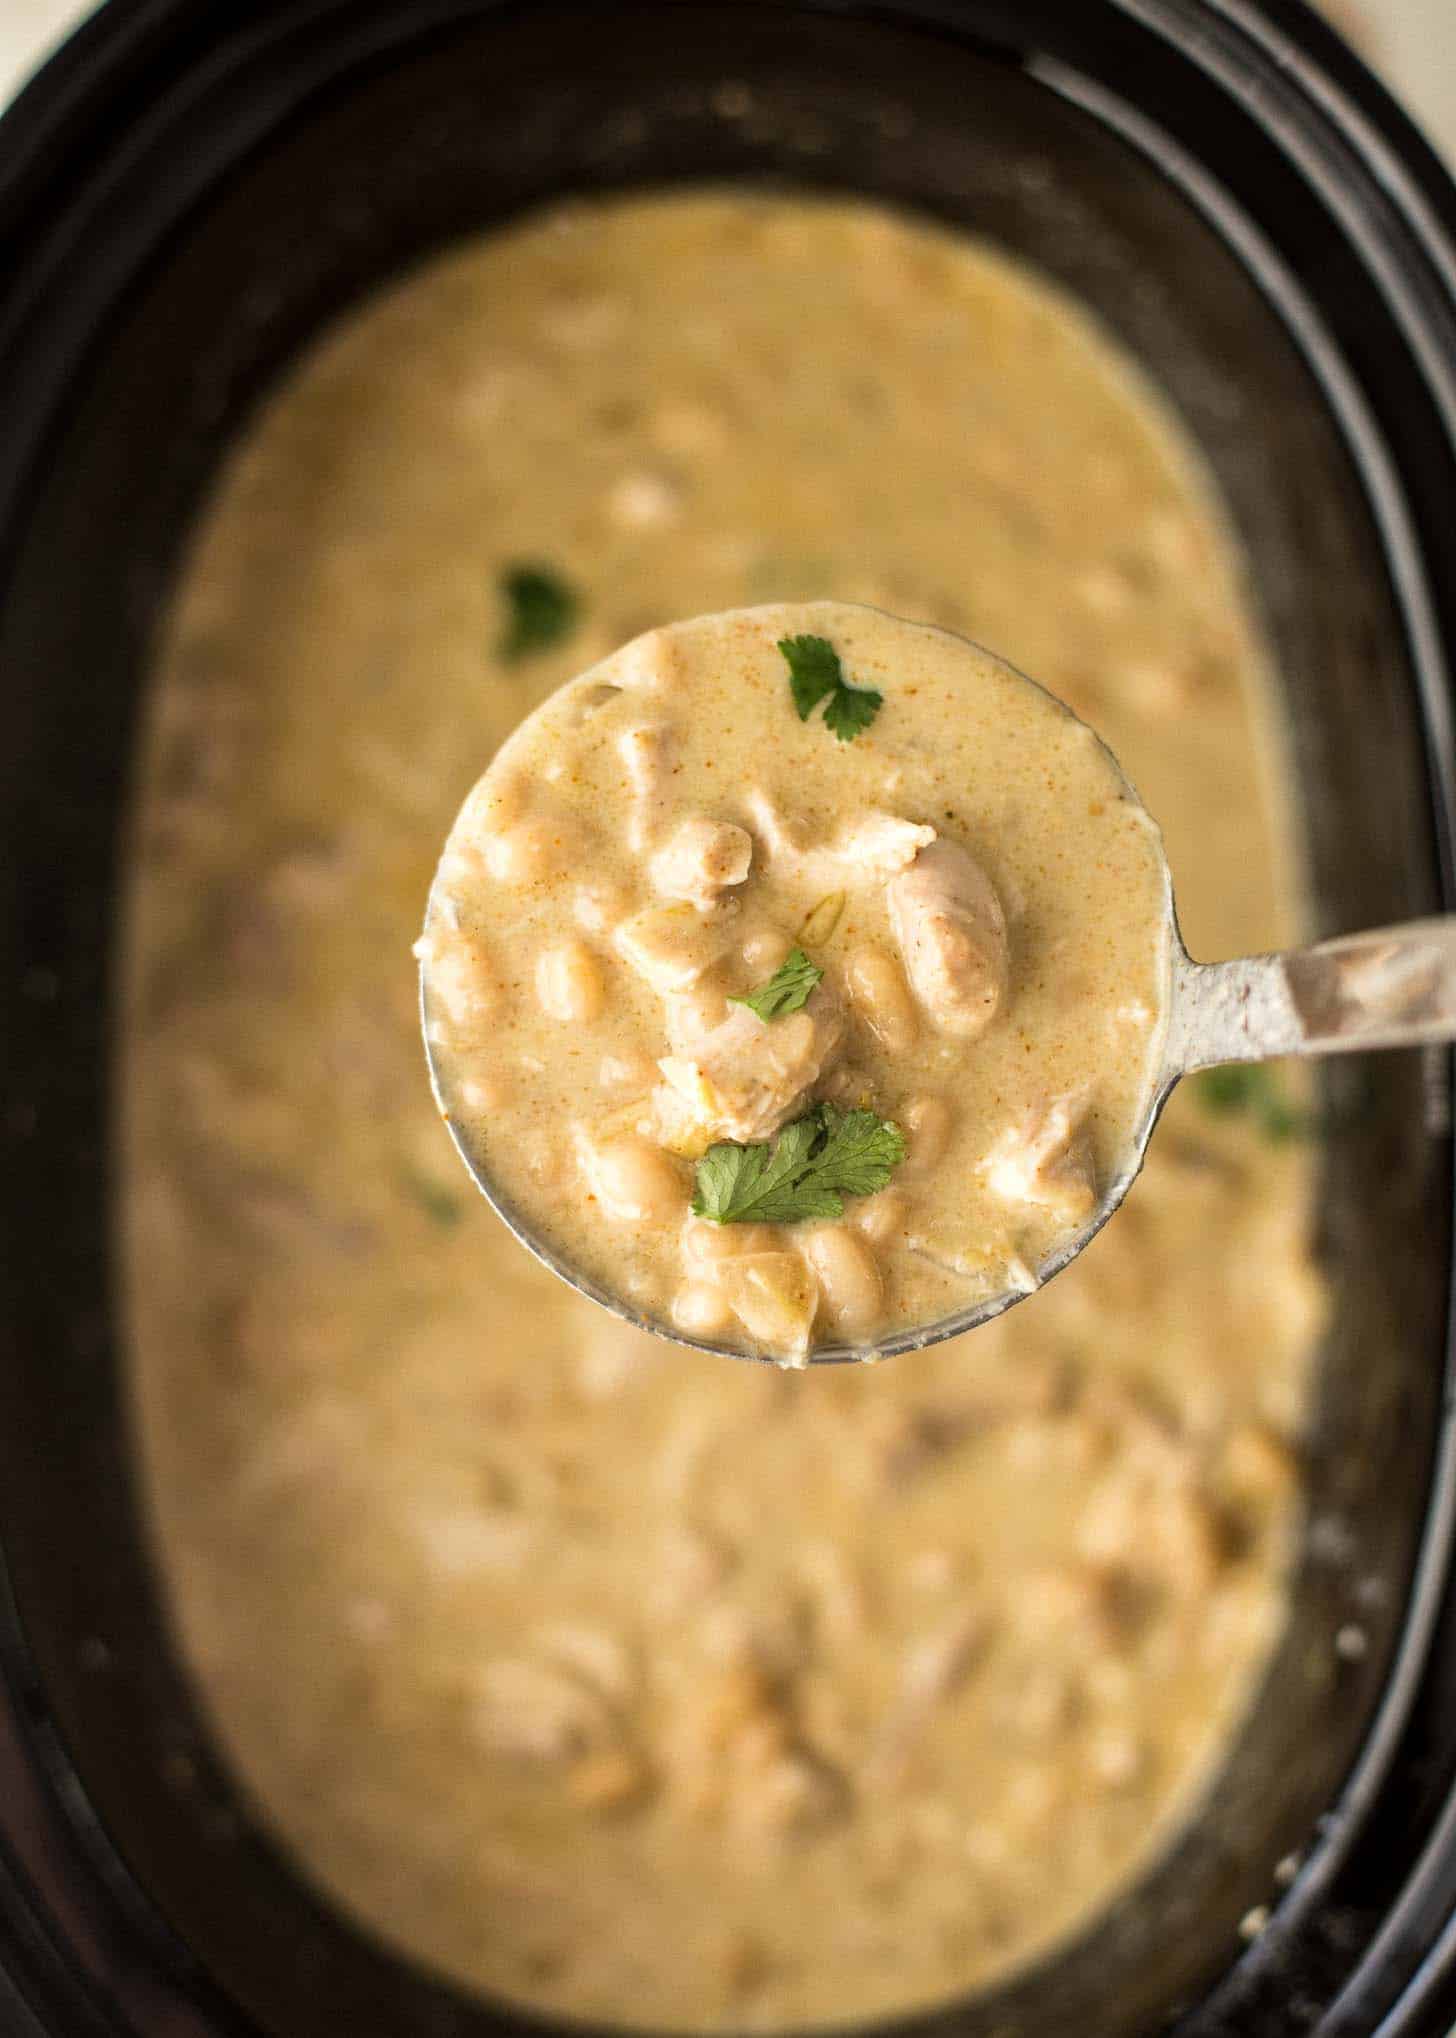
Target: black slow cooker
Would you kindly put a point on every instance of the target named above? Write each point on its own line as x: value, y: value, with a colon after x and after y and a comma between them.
x: 186, y: 192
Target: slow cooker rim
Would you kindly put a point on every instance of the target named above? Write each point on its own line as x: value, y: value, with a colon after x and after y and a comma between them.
x: 144, y: 29
x: 1432, y: 1883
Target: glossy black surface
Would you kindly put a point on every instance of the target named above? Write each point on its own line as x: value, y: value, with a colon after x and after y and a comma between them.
x: 182, y: 201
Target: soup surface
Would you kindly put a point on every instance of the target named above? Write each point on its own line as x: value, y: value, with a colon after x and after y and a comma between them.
x: 793, y: 1028
x: 617, y: 1680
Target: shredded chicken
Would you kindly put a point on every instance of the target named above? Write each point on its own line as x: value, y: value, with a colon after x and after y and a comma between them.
x: 700, y: 860
x: 646, y: 750
x: 952, y: 935
x: 774, y: 1296
x: 671, y: 946
x: 528, y: 1708
x: 1046, y: 1161
x: 745, y: 1079
x: 870, y: 849
x: 932, y: 1671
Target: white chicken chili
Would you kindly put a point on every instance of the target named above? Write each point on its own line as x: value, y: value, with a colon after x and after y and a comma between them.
x: 802, y: 972
x: 619, y: 1684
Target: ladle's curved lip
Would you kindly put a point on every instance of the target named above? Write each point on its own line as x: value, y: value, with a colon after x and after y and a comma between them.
x: 1163, y: 1075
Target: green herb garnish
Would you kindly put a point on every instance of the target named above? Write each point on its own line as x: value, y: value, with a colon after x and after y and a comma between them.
x: 807, y: 1171
x: 1253, y: 1090
x: 542, y: 610
x: 441, y: 1205
x: 786, y: 990
x: 815, y: 674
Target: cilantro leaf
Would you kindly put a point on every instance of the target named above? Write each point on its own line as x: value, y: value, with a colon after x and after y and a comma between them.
x: 850, y: 709
x: 1232, y: 1088
x: 816, y: 672
x: 441, y: 1205
x: 1254, y: 1090
x: 787, y: 990
x: 732, y: 1180
x: 861, y: 1150
x: 806, y: 1172
x: 541, y: 609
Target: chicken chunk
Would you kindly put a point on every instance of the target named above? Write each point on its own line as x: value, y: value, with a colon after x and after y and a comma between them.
x: 952, y: 935
x: 932, y: 1671
x: 527, y: 1708
x: 1046, y: 1161
x: 701, y: 859
x: 774, y: 1296
x: 646, y: 750
x: 671, y: 946
x: 870, y: 849
x: 745, y: 1079
x: 881, y: 845
x: 774, y: 832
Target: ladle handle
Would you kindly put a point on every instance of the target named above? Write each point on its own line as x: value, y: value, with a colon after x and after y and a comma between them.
x: 1395, y: 987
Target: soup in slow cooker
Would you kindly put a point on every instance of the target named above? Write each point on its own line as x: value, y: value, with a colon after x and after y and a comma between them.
x: 609, y: 1678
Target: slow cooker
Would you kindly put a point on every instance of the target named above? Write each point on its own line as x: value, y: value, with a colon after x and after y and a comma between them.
x: 186, y: 193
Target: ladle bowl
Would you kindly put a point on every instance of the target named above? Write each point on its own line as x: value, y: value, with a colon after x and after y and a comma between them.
x: 1391, y: 987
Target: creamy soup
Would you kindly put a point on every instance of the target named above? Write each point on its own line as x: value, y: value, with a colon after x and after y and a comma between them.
x: 795, y: 1027
x: 617, y: 1680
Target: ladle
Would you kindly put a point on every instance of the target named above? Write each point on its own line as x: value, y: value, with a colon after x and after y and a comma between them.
x: 1395, y: 987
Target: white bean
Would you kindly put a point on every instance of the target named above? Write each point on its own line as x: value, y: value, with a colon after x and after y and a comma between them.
x: 496, y: 803
x: 645, y: 498
x: 763, y: 948
x: 705, y: 1243
x: 570, y: 984
x: 882, y: 998
x: 926, y: 1122
x: 879, y: 1218
x: 700, y: 1309
x: 600, y: 908
x: 481, y: 1095
x: 634, y: 1181
x: 851, y: 1292
x: 462, y: 979
x: 521, y: 853
x: 462, y: 864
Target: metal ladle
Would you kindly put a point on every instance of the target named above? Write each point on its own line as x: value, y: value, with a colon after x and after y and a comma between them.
x: 1395, y: 987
